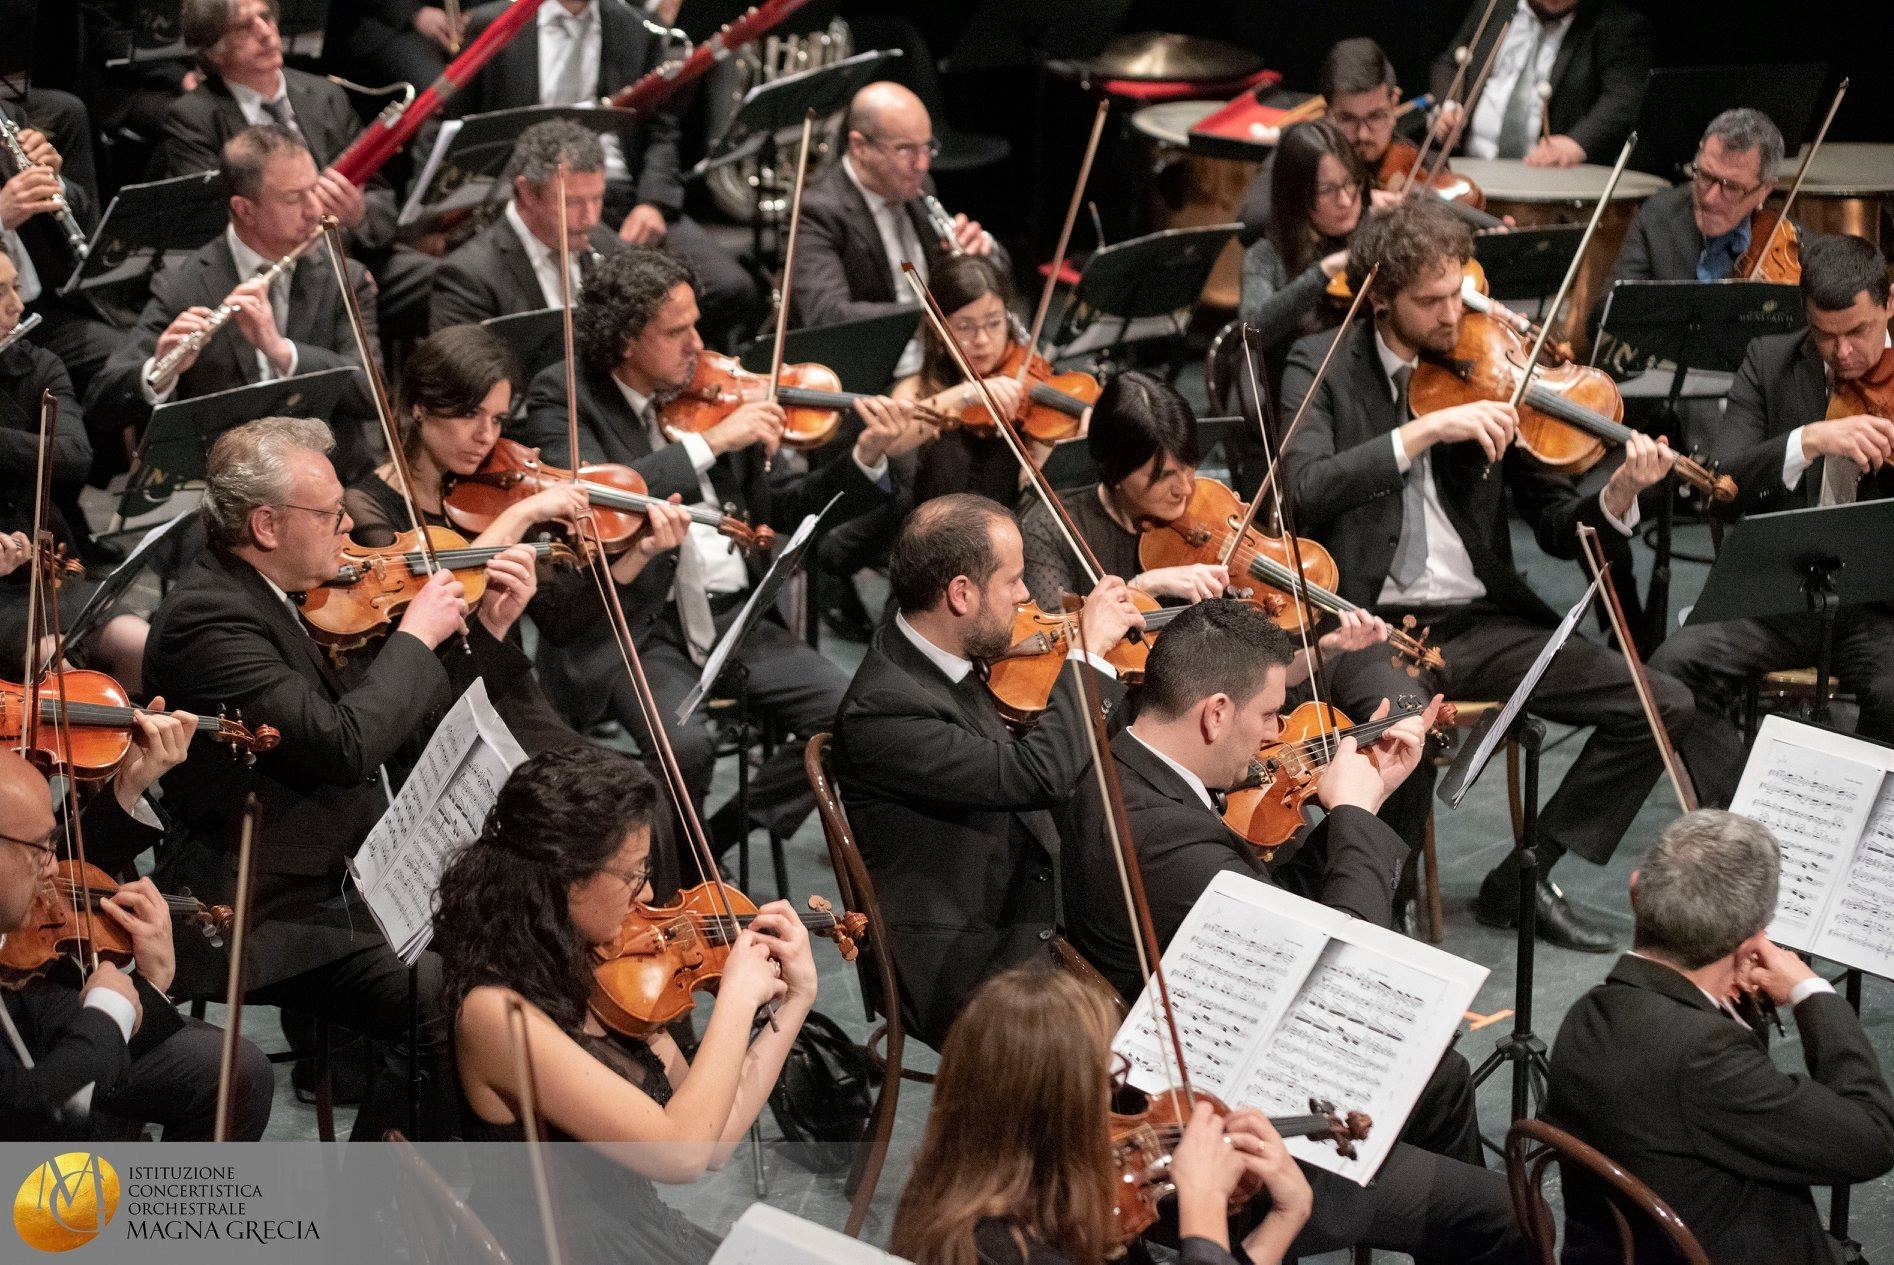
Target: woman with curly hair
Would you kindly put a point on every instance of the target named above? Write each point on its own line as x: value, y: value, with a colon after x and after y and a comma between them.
x: 553, y: 874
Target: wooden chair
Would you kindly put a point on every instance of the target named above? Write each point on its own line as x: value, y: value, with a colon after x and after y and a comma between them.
x: 1430, y: 908
x: 1532, y: 1145
x: 1792, y: 689
x: 438, y: 1226
x: 880, y: 993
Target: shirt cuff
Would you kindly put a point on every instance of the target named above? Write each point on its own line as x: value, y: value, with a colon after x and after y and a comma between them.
x: 1402, y: 462
x: 153, y: 396
x: 697, y: 448
x: 1094, y: 660
x: 877, y: 474
x: 1807, y: 989
x: 115, y: 1007
x: 295, y: 358
x: 145, y: 815
x: 1794, y: 463
x: 1626, y: 525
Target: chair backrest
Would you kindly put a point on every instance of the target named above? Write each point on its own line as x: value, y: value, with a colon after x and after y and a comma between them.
x: 879, y: 990
x: 1532, y: 1145
x: 1221, y: 365
x: 440, y: 1228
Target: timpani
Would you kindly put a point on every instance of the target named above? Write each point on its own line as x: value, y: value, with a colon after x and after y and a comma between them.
x: 1190, y: 190
x: 1847, y: 189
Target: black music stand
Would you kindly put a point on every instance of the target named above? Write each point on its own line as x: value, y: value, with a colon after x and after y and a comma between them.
x: 538, y: 337
x: 470, y: 155
x: 1527, y: 262
x: 1815, y: 560
x: 863, y: 352
x: 1680, y: 101
x: 149, y: 225
x: 1703, y: 325
x: 1155, y: 278
x: 176, y: 444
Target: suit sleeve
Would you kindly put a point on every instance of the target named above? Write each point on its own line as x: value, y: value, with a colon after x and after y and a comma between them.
x: 76, y: 1046
x: 658, y: 179
x: 116, y: 391
x: 1832, y: 1126
x: 72, y: 451
x: 821, y: 281
x: 1328, y: 483
x: 1625, y: 54
x: 190, y: 140
x: 1441, y: 73
x: 1552, y: 505
x: 1270, y: 301
x: 1364, y: 858
x: 1743, y: 445
x: 792, y: 496
x: 460, y: 295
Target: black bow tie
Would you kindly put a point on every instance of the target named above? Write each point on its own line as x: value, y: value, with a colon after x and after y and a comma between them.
x: 1219, y: 800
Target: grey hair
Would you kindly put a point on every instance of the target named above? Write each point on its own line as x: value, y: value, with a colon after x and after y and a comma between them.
x: 1708, y: 884
x: 245, y: 155
x: 541, y: 147
x: 1743, y: 129
x: 249, y: 468
x: 201, y: 23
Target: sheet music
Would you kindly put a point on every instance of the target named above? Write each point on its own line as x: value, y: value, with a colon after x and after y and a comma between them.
x: 416, y: 204
x: 439, y: 810
x: 1859, y: 929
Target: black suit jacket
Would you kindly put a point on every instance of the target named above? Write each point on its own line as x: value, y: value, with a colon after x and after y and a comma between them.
x: 1779, y: 386
x: 491, y: 275
x: 72, y: 1046
x: 44, y: 240
x: 1347, y: 487
x: 1663, y: 242
x: 841, y: 269
x: 1597, y: 78
x: 198, y: 124
x: 1349, y: 861
x: 25, y: 372
x: 222, y: 640
x: 1687, y: 1099
x: 953, y: 816
x: 627, y: 50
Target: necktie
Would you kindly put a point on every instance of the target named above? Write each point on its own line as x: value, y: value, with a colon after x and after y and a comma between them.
x: 1841, y: 480
x: 693, y: 599
x: 1410, y: 553
x: 279, y: 298
x: 570, y: 88
x: 279, y: 111
x: 1515, y: 125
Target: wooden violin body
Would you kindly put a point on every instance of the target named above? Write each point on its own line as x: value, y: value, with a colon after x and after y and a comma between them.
x: 65, y: 921
x: 1021, y: 680
x: 811, y: 396
x: 1774, y: 253
x: 86, y: 722
x: 1403, y: 156
x: 1201, y: 534
x: 1871, y: 394
x: 1054, y: 403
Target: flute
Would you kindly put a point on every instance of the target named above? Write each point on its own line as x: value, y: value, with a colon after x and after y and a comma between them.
x: 19, y: 331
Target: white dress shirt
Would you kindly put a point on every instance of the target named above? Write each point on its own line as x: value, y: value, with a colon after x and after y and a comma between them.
x: 899, y: 242
x: 249, y: 263
x: 251, y: 102
x: 1794, y: 462
x: 1483, y: 127
x: 545, y: 260
x: 1191, y: 780
x: 724, y: 571
x: 955, y: 668
x: 555, y: 46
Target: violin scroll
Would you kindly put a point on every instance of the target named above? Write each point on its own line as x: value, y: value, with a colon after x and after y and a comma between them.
x: 1344, y: 1130
x: 846, y: 928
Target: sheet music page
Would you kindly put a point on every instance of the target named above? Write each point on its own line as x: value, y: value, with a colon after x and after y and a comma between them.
x: 1233, y: 968
x: 769, y: 1236
x: 1364, y: 1032
x: 417, y: 200
x: 1814, y: 790
x: 1859, y: 928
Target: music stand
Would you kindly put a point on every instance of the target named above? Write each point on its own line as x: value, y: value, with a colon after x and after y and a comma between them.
x: 176, y: 443
x: 1527, y: 262
x: 1815, y: 560
x: 863, y: 352
x: 536, y: 337
x: 1704, y: 325
x: 470, y: 153
x: 1146, y: 286
x: 148, y: 225
x: 1680, y: 101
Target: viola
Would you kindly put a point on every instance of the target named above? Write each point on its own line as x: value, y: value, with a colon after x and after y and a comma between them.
x: 1568, y: 415
x: 1774, y: 253
x: 1202, y: 534
x: 1872, y: 393
x: 811, y: 396
x: 86, y: 721
x: 618, y: 496
x: 1465, y: 198
x: 1054, y: 403
x: 65, y: 921
x: 645, y: 977
x: 374, y: 586
x: 1266, y: 806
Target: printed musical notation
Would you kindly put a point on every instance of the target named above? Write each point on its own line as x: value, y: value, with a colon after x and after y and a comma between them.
x: 1859, y: 929
x: 1815, y: 804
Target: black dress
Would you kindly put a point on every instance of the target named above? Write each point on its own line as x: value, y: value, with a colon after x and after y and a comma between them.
x: 608, y: 1215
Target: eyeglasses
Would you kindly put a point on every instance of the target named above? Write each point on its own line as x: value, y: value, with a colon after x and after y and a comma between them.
x: 42, y: 844
x: 335, y: 516
x: 634, y: 880
x: 1374, y: 118
x: 907, y: 151
x: 1706, y: 182
x: 1337, y: 192
x: 967, y: 331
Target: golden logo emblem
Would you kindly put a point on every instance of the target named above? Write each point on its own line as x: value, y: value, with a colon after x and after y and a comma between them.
x: 66, y: 1201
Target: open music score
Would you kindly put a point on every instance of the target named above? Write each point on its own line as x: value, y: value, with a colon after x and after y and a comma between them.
x: 1829, y: 801
x: 1279, y: 999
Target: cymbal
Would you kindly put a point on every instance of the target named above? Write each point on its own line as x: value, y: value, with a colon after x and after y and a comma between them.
x: 1163, y: 55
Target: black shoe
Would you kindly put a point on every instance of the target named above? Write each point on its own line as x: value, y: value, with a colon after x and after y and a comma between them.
x: 1555, y: 920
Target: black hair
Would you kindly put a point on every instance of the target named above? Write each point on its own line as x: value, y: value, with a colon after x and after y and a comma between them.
x: 948, y: 536
x: 1137, y: 417
x: 625, y: 291
x: 1217, y: 647
x: 955, y: 281
x: 1354, y: 66
x: 502, y: 914
x: 449, y: 373
x: 1836, y: 267
x: 1294, y: 177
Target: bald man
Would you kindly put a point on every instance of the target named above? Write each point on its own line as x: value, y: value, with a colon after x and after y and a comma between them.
x: 863, y: 215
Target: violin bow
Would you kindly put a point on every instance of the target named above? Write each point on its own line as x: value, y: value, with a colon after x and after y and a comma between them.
x: 1422, y: 174
x: 1074, y: 539
x: 789, y: 264
x: 565, y: 323
x: 1801, y: 172
x: 378, y: 392
x: 1462, y: 58
x: 233, y: 990
x: 524, y: 1082
x: 36, y: 576
x: 1058, y: 255
x: 1593, y: 552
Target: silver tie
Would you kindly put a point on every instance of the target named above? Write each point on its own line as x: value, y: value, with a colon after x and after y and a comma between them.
x: 1515, y: 125
x: 1410, y: 552
x: 570, y: 88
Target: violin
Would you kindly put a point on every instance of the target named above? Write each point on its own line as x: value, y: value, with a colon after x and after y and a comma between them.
x: 1266, y: 806
x: 65, y: 921
x: 374, y: 586
x: 1774, y: 252
x: 1568, y: 415
x: 1202, y: 534
x: 1397, y: 170
x: 1472, y: 281
x: 1142, y: 1141
x: 1022, y: 679
x: 1872, y: 393
x: 86, y: 721
x: 811, y: 396
x: 1054, y: 403
x: 618, y: 495
x: 644, y: 978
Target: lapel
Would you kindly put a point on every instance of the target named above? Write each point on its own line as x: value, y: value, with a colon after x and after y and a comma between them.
x: 978, y: 713
x: 287, y: 629
x: 310, y: 301
x: 515, y: 266
x: 218, y: 276
x: 1371, y: 384
x: 621, y: 53
x: 305, y: 101
x: 522, y: 68
x: 1145, y: 767
x: 1582, y: 22
x: 604, y: 411
x: 869, y: 233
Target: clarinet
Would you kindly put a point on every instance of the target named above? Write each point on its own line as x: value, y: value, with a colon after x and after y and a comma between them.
x: 942, y: 223
x: 75, y: 236
x: 19, y: 331
x: 167, y: 368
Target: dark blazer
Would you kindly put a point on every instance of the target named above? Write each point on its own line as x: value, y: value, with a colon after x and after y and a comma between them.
x: 25, y: 372
x: 627, y: 50
x: 1780, y: 385
x: 222, y: 640
x: 72, y: 1046
x: 952, y: 814
x: 491, y: 275
x: 198, y: 123
x: 841, y: 268
x: 1342, y: 472
x: 1687, y: 1099
x: 1181, y: 847
x: 1663, y: 242
x: 1597, y: 79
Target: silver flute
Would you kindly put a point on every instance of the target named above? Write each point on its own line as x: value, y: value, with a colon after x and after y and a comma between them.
x: 943, y: 224
x: 166, y: 369
x: 19, y: 331
x: 75, y: 236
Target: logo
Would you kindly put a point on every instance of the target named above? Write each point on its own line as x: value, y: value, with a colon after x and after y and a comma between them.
x: 66, y: 1202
